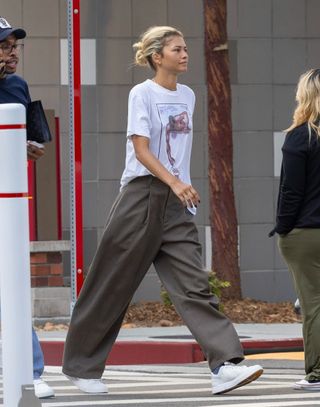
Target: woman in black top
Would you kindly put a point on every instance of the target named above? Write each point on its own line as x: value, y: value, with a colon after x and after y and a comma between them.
x: 298, y: 216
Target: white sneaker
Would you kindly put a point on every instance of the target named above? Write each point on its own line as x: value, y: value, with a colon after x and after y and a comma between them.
x: 305, y: 385
x: 231, y: 376
x: 94, y: 386
x: 42, y: 390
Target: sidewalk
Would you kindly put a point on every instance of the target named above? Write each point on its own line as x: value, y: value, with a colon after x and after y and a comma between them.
x: 176, y: 344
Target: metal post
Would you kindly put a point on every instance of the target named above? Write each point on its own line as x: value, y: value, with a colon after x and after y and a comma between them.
x: 76, y: 235
x: 14, y: 255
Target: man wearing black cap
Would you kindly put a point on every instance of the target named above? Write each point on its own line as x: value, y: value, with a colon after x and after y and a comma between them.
x: 13, y: 89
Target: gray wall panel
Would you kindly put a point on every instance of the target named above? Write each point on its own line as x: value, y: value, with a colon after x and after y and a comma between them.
x: 89, y: 109
x: 253, y: 154
x: 255, y: 200
x: 90, y: 158
x: 312, y: 20
x: 182, y: 12
x: 90, y: 243
x: 12, y: 11
x: 254, y: 18
x: 256, y: 248
x: 146, y: 13
x: 90, y: 204
x: 46, y: 53
x: 289, y: 18
x: 283, y: 106
x: 111, y: 158
x: 258, y: 284
x: 41, y: 17
x: 112, y: 108
x: 196, y: 69
x: 288, y: 52
x: 114, y: 56
x: 313, y: 46
x: 107, y: 193
x: 254, y: 106
x: 254, y: 62
x: 232, y: 18
x: 284, y: 287
x: 114, y: 18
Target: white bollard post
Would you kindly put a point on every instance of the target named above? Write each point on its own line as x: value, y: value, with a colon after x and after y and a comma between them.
x: 14, y: 255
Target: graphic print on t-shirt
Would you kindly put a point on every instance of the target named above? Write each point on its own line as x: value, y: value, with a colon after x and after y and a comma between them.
x: 176, y: 124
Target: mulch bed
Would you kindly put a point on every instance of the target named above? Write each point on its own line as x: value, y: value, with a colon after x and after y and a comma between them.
x: 148, y: 314
x: 239, y: 311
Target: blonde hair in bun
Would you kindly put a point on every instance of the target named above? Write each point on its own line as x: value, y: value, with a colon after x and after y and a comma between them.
x: 152, y: 42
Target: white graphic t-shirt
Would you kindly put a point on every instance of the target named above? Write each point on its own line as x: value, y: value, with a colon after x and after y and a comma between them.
x: 165, y: 117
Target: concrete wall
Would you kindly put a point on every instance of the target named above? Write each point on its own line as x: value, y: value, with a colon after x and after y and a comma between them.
x: 271, y: 43
x: 108, y: 30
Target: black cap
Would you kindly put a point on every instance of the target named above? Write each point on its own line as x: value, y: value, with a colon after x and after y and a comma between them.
x: 6, y: 30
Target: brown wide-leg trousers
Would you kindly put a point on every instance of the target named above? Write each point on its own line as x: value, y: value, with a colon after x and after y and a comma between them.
x: 147, y: 224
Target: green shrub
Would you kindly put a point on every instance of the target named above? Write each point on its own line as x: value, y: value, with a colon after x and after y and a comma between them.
x: 215, y: 285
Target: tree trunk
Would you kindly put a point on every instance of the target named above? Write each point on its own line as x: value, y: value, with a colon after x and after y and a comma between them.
x: 223, y: 215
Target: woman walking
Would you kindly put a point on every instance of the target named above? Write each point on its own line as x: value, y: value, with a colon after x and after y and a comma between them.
x: 298, y: 217
x: 151, y: 221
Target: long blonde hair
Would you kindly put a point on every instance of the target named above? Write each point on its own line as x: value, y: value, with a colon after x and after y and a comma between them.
x: 152, y: 42
x: 308, y: 101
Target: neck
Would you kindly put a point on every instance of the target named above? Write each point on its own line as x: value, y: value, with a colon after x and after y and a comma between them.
x: 168, y: 82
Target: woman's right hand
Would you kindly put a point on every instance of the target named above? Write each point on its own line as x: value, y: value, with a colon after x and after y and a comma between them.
x: 34, y: 150
x: 186, y: 193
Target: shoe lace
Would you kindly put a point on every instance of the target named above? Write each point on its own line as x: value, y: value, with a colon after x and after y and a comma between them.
x: 233, y: 366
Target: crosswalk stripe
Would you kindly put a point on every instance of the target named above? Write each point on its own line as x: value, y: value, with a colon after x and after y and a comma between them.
x: 274, y: 404
x: 212, y: 399
x: 160, y: 388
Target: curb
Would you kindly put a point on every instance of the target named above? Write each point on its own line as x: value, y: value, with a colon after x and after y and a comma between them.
x: 147, y: 352
x: 272, y: 345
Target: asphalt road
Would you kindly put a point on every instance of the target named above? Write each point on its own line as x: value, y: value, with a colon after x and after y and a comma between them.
x: 185, y: 386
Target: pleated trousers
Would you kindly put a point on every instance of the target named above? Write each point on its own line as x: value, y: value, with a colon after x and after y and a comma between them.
x: 147, y: 224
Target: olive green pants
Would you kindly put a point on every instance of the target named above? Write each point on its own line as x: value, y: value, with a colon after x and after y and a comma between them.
x: 301, y: 251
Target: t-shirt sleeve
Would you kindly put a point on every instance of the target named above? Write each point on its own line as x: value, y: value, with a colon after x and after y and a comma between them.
x: 138, y: 115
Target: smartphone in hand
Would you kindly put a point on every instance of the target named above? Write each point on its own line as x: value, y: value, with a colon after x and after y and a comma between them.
x: 34, y: 150
x: 36, y: 144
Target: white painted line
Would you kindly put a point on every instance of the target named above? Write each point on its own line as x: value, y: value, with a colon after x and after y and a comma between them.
x: 138, y: 385
x: 282, y: 376
x: 272, y: 404
x: 195, y: 390
x: 212, y: 399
